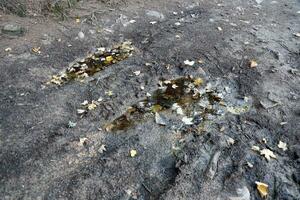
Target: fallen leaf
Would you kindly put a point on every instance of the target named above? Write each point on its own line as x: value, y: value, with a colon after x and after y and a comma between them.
x: 77, y: 20
x: 148, y: 94
x: 137, y: 73
x: 268, y: 154
x: 7, y: 49
x: 262, y: 189
x: 156, y: 108
x: 81, y: 111
x: 297, y: 34
x: 109, y: 93
x: 109, y: 59
x: 187, y: 120
x: 219, y: 28
x: 71, y: 124
x: 282, y: 145
x: 189, y: 63
x: 102, y: 148
x: 255, y: 148
x: 253, y: 63
x: 133, y: 153
x: 230, y: 141
x: 92, y: 105
x: 177, y: 108
x: 132, y: 21
x: 36, y: 50
x: 174, y: 86
x: 100, y: 99
x: 82, y: 141
x: 160, y: 119
x: 250, y: 165
x: 177, y: 23
x: 198, y: 81
x: 153, y: 22
x: 85, y: 102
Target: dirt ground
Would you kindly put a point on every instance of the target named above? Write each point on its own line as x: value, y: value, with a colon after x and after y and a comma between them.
x: 246, y: 53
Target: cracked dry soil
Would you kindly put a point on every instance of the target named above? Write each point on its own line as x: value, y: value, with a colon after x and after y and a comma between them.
x: 233, y: 108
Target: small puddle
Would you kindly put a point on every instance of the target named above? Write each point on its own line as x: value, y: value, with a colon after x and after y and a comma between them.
x: 182, y: 92
x: 93, y: 63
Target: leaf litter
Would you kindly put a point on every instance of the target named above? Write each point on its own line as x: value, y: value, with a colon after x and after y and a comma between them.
x: 93, y: 63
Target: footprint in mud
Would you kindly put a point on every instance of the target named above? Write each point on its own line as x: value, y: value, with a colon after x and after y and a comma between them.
x: 186, y: 96
x: 93, y: 63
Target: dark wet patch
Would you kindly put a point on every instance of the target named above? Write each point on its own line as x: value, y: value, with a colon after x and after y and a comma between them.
x: 182, y: 91
x: 93, y: 63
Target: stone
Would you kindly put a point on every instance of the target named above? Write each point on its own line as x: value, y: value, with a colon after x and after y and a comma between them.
x: 13, y: 30
x: 155, y: 14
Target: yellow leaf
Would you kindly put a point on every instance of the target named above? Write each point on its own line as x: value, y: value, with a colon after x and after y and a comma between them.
x: 77, y: 20
x: 92, y: 106
x: 156, y: 108
x: 198, y: 81
x: 253, y: 63
x: 109, y: 59
x: 133, y: 153
x: 262, y: 189
x: 36, y: 49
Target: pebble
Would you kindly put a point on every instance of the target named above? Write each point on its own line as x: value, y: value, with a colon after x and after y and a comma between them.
x: 13, y: 30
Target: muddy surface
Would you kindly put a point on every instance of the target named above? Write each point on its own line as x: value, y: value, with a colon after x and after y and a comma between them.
x: 204, y: 90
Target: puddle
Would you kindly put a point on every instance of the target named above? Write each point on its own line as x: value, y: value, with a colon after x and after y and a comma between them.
x: 93, y: 63
x: 183, y: 92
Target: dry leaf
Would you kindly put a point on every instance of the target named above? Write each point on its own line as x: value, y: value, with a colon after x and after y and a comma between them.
x: 268, y: 154
x: 255, y: 148
x: 189, y: 63
x: 187, y: 120
x: 7, y: 49
x: 137, y: 73
x: 230, y: 141
x: 102, y: 148
x: 36, y: 50
x: 133, y: 153
x: 177, y: 23
x: 174, y: 86
x: 297, y: 34
x: 109, y: 93
x: 253, y: 63
x: 282, y: 145
x: 219, y: 28
x: 77, y: 20
x: 81, y: 111
x: 92, y: 106
x: 153, y: 22
x: 198, y: 81
x: 262, y: 189
x: 250, y: 165
x: 82, y: 141
x: 178, y: 109
x: 85, y: 102
x: 109, y: 59
x: 132, y: 21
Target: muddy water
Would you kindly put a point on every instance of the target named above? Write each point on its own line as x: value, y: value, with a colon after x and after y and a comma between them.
x: 182, y: 91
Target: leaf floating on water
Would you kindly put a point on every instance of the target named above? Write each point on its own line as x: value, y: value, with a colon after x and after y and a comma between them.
x: 268, y: 154
x: 133, y: 153
x: 156, y: 108
x: 282, y: 145
x: 160, y: 119
x: 198, y: 81
x: 262, y: 189
x: 187, y: 120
